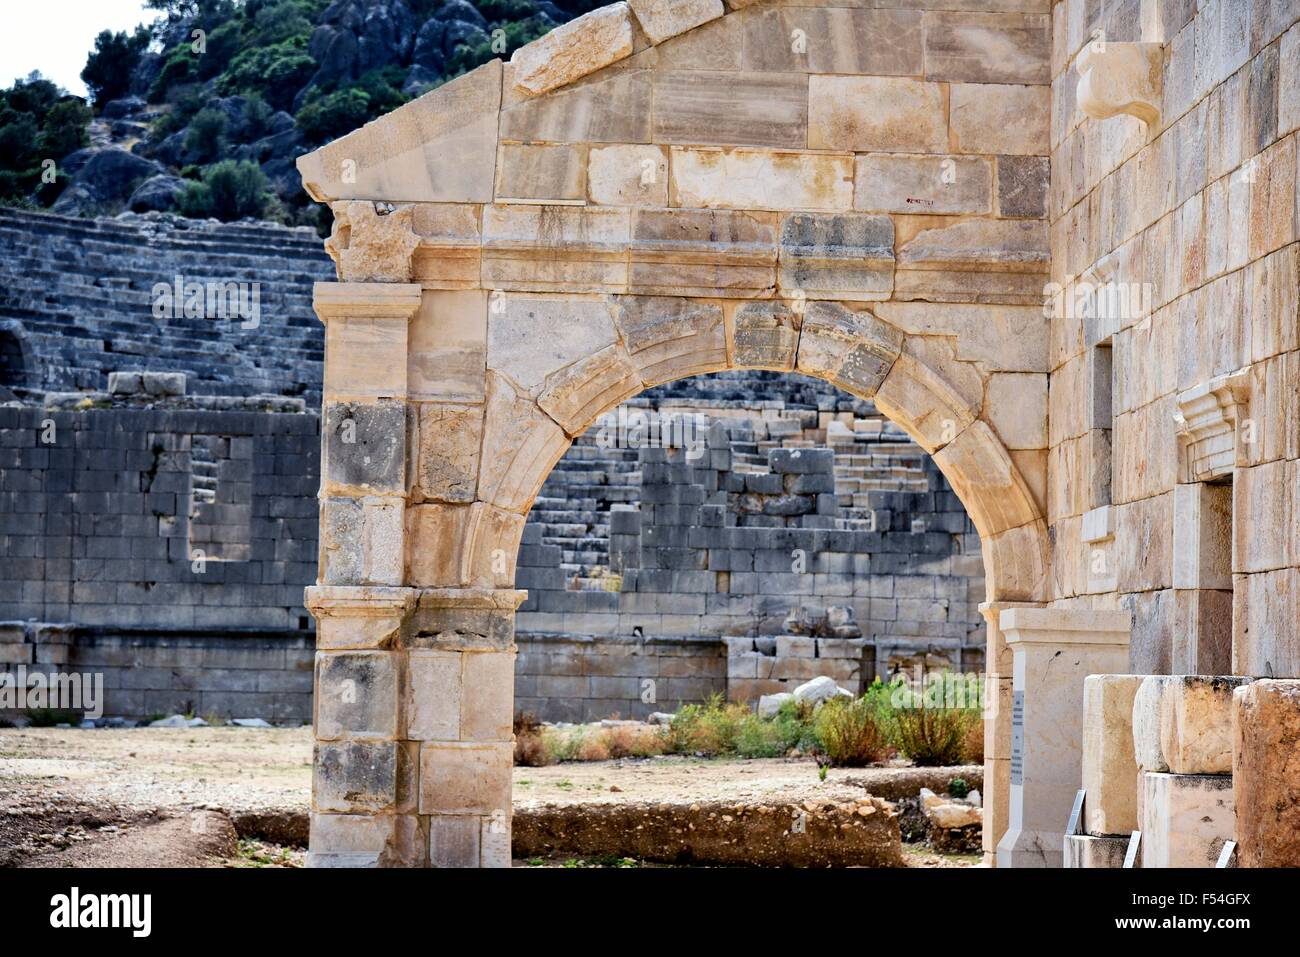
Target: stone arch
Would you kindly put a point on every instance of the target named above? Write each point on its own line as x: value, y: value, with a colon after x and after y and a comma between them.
x: 650, y: 192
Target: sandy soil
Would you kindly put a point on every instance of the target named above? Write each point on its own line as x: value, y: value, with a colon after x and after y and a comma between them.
x: 64, y: 788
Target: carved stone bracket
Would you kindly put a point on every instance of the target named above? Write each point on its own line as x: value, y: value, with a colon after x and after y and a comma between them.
x: 1206, y: 420
x: 1120, y: 78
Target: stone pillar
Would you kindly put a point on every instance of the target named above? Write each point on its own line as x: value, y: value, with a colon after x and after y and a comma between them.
x: 414, y: 738
x: 1053, y: 649
x: 1266, y: 773
x: 997, y: 728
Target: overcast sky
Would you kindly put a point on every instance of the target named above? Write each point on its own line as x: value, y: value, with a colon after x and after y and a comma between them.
x: 54, y: 36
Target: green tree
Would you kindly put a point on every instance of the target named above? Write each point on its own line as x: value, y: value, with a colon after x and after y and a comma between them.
x: 333, y: 115
x: 108, y: 69
x: 206, y: 134
x: 275, y: 72
x: 66, y: 128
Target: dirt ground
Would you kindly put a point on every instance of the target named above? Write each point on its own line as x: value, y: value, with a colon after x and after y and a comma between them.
x: 70, y: 797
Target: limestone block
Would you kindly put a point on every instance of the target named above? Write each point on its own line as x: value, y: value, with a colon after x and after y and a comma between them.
x: 1143, y: 541
x: 520, y: 445
x: 356, y: 695
x: 988, y: 47
x: 612, y: 106
x: 1010, y: 245
x: 999, y: 119
x: 1004, y: 338
x: 487, y: 701
x: 1202, y: 631
x: 1186, y: 819
x: 1022, y: 183
x: 541, y: 173
x: 1087, y: 850
x: 1265, y: 608
x: 357, y: 617
x: 854, y: 42
x: 985, y: 479
x: 454, y: 840
x: 1017, y: 409
x: 766, y: 335
x: 448, y: 455
x: 465, y: 777
x: 1148, y: 722
x: 361, y: 541
x: 1196, y: 723
x: 670, y: 338
x: 1109, y: 768
x: 575, y: 395
x: 368, y: 245
x: 349, y: 840
x: 852, y: 349
x: 365, y: 337
x: 355, y: 776
x: 1266, y: 773
x: 449, y: 255
x: 439, y: 148
x: 364, y: 447
x: 662, y: 19
x: 713, y: 108
x: 904, y: 183
x: 682, y: 252
x: 635, y: 175
x: 532, y: 336
x: 433, y: 695
x: 876, y: 113
x: 573, y: 50
x: 922, y: 400
x: 1021, y: 558
x: 549, y: 248
x: 1265, y: 535
x: 463, y: 545
x: 448, y: 346
x: 848, y: 257
x: 760, y: 179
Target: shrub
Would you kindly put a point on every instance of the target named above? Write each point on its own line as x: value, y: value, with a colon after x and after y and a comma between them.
x: 932, y: 736
x: 530, y: 748
x: 709, y: 728
x: 276, y: 72
x: 333, y: 115
x: 853, y: 733
x: 958, y: 787
x: 973, y: 744
x: 66, y: 129
x: 230, y: 190
x: 207, y: 133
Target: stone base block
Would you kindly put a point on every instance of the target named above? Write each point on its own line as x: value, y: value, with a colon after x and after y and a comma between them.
x: 1186, y: 818
x: 1196, y: 724
x: 1088, y: 850
x: 1109, y: 769
x: 1266, y: 773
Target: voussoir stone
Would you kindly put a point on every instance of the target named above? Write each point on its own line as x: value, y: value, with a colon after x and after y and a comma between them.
x: 571, y: 51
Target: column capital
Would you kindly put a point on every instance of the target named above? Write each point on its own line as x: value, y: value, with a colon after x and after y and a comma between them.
x: 1065, y: 626
x: 366, y: 300
x: 358, y: 616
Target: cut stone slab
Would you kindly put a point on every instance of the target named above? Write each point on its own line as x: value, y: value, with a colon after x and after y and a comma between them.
x: 571, y: 51
x: 662, y: 19
x: 1196, y: 724
x: 1186, y: 818
x: 1088, y: 850
x: 1109, y: 769
x: 1266, y: 773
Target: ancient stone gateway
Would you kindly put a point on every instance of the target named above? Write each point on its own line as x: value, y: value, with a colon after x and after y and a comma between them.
x: 650, y: 192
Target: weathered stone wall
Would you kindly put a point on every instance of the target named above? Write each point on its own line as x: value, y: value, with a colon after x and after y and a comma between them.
x: 1174, y: 422
x: 77, y: 298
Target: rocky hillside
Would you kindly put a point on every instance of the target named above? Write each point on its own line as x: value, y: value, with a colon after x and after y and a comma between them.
x: 205, y: 111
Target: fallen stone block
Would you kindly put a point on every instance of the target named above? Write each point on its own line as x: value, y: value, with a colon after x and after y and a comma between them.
x: 1186, y: 818
x: 1109, y: 769
x: 1196, y: 724
x: 861, y: 833
x: 1266, y: 773
x: 770, y: 704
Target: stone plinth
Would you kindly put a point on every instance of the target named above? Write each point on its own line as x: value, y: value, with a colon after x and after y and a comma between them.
x: 1088, y: 850
x: 1054, y: 651
x: 1186, y: 818
x: 1109, y: 769
x: 1266, y: 773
